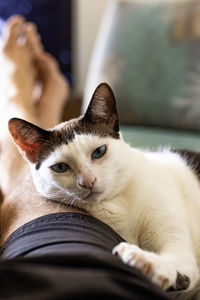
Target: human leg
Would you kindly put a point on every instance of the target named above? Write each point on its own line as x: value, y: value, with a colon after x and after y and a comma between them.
x: 22, y: 64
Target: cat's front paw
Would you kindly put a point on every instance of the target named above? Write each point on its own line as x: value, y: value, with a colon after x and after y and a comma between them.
x: 155, y: 267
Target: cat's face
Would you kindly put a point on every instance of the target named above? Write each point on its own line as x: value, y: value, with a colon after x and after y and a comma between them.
x: 87, y: 169
x: 79, y: 160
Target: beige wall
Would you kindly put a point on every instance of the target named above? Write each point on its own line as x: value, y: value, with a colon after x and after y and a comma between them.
x: 87, y: 18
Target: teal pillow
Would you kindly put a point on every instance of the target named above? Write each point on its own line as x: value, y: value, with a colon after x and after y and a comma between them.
x: 149, y: 52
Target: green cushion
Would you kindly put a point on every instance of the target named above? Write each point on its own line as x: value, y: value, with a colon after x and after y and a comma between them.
x: 152, y: 138
x: 149, y: 52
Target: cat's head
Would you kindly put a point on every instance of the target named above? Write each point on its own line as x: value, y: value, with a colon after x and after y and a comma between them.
x: 81, y: 159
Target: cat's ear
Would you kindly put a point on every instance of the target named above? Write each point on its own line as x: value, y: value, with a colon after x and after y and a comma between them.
x: 102, y: 108
x: 27, y: 137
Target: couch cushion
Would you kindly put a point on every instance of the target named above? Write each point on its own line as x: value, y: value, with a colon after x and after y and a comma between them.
x: 149, y: 52
x: 151, y: 138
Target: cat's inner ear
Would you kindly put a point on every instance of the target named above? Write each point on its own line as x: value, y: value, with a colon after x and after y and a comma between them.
x: 102, y: 108
x: 27, y: 137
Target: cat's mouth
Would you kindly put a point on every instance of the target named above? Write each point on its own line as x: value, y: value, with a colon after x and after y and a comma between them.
x: 92, y: 196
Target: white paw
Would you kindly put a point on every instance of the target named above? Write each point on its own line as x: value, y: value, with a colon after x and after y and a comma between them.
x: 155, y: 267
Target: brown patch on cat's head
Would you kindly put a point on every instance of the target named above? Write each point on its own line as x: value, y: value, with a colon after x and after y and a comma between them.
x: 101, y: 119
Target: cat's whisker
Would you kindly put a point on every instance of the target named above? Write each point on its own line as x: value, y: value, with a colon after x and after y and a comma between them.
x: 60, y: 203
x: 73, y: 202
x: 70, y: 203
x: 63, y: 198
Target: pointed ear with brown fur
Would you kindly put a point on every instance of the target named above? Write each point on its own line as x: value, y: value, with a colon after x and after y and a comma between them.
x: 102, y: 108
x: 27, y: 137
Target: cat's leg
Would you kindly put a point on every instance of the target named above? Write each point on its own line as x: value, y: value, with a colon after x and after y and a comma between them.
x: 173, y: 266
x: 160, y: 269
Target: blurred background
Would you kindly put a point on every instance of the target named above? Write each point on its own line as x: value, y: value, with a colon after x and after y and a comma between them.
x: 88, y: 15
x: 68, y: 29
x: 147, y: 50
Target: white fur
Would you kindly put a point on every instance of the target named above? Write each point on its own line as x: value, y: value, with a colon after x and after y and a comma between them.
x: 152, y: 199
x: 100, y: 108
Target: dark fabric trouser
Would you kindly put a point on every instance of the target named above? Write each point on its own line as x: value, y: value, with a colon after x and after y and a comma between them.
x: 68, y: 256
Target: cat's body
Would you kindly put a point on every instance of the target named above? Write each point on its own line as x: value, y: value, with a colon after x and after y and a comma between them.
x: 152, y: 199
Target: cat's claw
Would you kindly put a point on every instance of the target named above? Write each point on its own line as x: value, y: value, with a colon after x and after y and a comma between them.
x: 155, y: 267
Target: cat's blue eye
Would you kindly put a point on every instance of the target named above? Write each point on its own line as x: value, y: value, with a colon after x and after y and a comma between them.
x: 60, y: 167
x: 99, y: 152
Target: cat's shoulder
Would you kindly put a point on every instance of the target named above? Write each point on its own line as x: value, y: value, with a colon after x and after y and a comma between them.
x: 164, y: 155
x: 175, y: 156
x: 191, y: 158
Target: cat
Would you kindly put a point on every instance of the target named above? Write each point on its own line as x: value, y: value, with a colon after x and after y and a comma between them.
x: 152, y: 199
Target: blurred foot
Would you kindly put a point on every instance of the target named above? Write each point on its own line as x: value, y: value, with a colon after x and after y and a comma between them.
x: 24, y: 63
x: 17, y: 72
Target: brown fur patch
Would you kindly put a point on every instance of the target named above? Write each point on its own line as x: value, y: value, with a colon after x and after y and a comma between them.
x: 182, y: 283
x: 66, y: 134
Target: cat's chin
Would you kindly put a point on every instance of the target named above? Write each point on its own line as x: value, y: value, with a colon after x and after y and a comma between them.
x: 77, y: 201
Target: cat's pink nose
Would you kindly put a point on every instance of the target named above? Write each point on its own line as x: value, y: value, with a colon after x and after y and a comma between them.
x: 86, y: 181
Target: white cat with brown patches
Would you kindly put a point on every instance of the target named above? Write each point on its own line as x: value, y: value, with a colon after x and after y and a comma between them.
x: 152, y: 199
